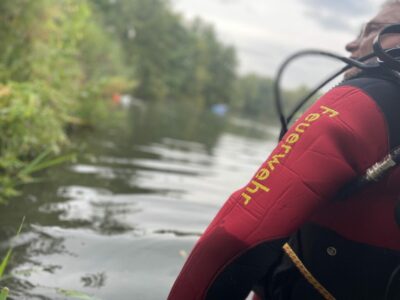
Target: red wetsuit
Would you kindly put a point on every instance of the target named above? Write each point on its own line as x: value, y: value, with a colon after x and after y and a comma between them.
x: 350, y: 246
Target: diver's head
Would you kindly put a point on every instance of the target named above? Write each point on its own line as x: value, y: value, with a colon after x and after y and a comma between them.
x: 362, y: 45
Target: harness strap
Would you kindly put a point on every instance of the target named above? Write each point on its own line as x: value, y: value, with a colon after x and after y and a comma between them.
x: 306, y: 273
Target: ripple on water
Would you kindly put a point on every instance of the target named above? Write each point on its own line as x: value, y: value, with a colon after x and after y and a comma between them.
x: 123, y: 267
x: 92, y: 237
x: 143, y: 213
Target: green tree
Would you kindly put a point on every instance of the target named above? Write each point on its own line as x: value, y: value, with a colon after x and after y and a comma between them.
x: 172, y: 59
x: 254, y: 97
x: 213, y: 71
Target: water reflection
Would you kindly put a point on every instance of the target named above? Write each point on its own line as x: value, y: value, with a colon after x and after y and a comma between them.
x: 94, y: 280
x: 119, y: 223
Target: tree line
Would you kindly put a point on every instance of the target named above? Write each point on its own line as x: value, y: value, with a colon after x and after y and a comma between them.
x: 60, y: 62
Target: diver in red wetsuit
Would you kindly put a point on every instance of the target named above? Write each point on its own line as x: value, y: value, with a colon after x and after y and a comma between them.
x: 284, y: 235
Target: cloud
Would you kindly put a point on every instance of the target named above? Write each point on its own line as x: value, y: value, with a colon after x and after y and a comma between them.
x: 344, y: 7
x: 228, y: 1
x: 337, y: 15
x: 330, y: 21
x: 265, y: 32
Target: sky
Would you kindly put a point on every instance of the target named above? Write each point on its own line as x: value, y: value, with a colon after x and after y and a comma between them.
x: 264, y: 32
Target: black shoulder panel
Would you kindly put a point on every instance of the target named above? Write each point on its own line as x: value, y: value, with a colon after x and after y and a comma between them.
x: 386, y: 94
x: 237, y: 279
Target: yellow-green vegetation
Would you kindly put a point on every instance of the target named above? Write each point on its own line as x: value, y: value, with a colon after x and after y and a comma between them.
x: 48, y: 82
x: 172, y: 59
x: 254, y: 98
x: 4, y: 263
x: 4, y: 293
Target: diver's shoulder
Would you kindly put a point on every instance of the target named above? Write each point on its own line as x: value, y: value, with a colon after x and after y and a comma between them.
x: 373, y: 85
x: 386, y: 95
x: 382, y: 90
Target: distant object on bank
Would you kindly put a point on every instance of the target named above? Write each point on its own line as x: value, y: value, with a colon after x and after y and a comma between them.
x: 219, y: 109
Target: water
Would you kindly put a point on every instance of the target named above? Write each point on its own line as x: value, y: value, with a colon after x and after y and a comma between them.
x: 119, y: 223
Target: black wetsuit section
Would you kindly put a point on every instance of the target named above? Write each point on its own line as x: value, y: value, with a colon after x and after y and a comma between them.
x: 237, y: 279
x: 347, y: 269
x: 386, y: 95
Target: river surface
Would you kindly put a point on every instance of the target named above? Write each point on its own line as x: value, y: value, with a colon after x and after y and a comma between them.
x: 119, y: 222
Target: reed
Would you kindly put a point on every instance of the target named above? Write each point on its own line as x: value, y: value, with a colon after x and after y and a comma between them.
x: 4, y: 263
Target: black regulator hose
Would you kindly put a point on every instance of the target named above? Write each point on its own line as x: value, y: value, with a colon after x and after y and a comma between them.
x: 278, y: 78
x: 387, y: 59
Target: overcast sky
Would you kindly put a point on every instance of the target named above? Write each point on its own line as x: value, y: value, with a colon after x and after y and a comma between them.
x: 264, y: 32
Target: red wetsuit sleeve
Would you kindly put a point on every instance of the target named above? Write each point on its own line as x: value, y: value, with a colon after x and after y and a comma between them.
x: 326, y: 148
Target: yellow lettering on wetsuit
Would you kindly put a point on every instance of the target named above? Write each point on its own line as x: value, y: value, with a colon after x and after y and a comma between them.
x: 287, y: 148
x: 312, y: 117
x: 275, y: 161
x: 263, y: 174
x: 293, y: 138
x: 301, y: 127
x: 332, y: 113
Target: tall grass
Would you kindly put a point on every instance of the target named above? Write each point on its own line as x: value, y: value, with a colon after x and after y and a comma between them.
x: 24, y: 173
x: 4, y: 293
x: 6, y: 259
x: 4, y: 263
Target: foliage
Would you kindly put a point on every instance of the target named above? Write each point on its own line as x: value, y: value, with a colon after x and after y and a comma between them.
x: 6, y: 259
x: 47, y: 75
x: 62, y: 62
x: 4, y: 293
x: 4, y: 263
x: 74, y: 294
x: 30, y: 123
x: 254, y: 98
x: 29, y: 119
x: 172, y: 59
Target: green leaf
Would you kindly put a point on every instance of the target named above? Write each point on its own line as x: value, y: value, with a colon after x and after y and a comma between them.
x: 32, y: 165
x: 74, y: 294
x: 6, y: 259
x: 4, y: 293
